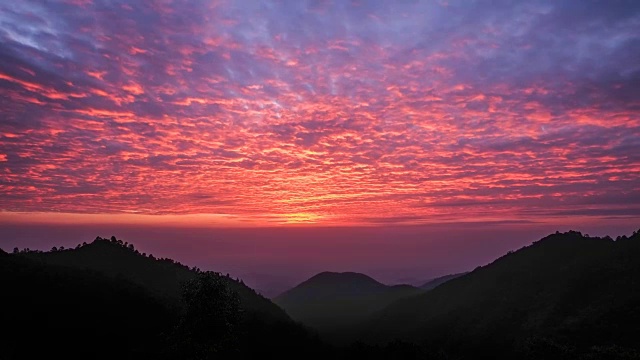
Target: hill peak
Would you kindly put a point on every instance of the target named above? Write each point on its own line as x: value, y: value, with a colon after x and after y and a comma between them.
x: 161, y: 276
x: 334, y: 299
x: 339, y: 277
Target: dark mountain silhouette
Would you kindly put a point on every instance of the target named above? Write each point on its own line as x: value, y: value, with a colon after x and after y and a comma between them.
x: 160, y: 276
x: 106, y: 300
x: 433, y: 283
x: 567, y: 296
x: 55, y: 310
x: 331, y: 300
x: 564, y: 296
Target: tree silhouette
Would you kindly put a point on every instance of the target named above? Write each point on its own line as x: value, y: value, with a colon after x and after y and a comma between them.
x: 209, y: 324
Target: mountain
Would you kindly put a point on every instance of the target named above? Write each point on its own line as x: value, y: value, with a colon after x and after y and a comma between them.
x: 331, y: 300
x: 564, y: 296
x: 433, y: 283
x: 106, y: 300
x: 51, y: 311
x: 567, y: 296
x: 163, y: 277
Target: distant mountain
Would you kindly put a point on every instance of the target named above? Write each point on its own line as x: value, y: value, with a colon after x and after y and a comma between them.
x: 433, y: 283
x: 162, y: 277
x: 331, y: 300
x: 564, y: 296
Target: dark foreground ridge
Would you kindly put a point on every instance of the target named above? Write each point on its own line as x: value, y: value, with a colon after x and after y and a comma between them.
x: 160, y: 276
x: 106, y: 300
x: 567, y: 296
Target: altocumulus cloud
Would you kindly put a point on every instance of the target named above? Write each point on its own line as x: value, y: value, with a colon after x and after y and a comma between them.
x: 322, y: 111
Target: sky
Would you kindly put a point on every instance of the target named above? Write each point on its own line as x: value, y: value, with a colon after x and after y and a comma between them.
x: 320, y: 114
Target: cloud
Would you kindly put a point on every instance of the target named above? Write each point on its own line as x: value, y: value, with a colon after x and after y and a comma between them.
x: 342, y: 112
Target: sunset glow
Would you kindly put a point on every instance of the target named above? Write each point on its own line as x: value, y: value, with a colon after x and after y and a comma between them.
x: 250, y: 113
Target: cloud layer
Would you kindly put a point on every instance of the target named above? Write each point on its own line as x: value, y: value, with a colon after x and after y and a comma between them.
x: 360, y: 112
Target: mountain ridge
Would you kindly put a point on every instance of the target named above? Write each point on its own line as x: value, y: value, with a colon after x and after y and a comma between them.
x: 162, y: 276
x: 435, y: 282
x: 98, y: 287
x: 544, y: 290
